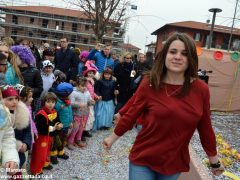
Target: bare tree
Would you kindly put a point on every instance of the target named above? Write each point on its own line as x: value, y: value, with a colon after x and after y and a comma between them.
x: 105, y: 14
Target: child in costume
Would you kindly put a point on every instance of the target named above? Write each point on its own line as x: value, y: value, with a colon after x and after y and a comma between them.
x: 47, y: 75
x: 80, y: 101
x: 89, y: 72
x: 9, y: 154
x: 104, y: 110
x: 46, y: 122
x: 64, y: 109
x: 20, y: 122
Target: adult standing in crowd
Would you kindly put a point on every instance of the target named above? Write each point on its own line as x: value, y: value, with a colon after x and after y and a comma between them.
x: 31, y: 75
x: 115, y: 58
x: 102, y: 58
x: 66, y: 60
x: 173, y: 103
x: 124, y: 72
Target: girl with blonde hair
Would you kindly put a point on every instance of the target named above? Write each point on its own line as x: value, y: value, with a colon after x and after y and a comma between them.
x: 12, y: 75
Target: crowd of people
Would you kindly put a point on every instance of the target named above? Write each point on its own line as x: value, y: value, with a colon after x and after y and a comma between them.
x: 54, y: 98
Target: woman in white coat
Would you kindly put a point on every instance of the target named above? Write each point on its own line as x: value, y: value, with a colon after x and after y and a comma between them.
x: 10, y: 160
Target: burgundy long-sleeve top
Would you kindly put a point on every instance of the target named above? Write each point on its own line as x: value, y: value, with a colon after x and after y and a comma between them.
x: 168, y: 125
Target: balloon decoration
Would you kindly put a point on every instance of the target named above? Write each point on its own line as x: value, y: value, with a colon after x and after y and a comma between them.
x: 218, y: 55
x: 235, y: 56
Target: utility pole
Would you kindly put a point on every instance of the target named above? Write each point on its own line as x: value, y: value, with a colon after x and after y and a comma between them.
x: 215, y: 11
x: 230, y: 39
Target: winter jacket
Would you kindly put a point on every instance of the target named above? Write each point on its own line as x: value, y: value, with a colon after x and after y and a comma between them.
x: 22, y: 129
x: 67, y: 62
x: 33, y: 79
x: 105, y: 88
x: 64, y: 112
x: 8, y: 150
x: 101, y: 61
x: 122, y: 73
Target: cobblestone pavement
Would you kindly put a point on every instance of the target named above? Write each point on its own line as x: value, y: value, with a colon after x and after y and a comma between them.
x: 94, y: 163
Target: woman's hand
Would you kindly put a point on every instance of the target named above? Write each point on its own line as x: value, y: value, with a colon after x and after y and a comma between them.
x: 108, y: 141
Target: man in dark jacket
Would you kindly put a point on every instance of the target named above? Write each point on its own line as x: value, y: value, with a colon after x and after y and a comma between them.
x: 66, y: 60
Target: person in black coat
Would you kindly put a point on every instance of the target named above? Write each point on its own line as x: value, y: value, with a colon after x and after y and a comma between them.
x: 124, y: 72
x: 66, y: 60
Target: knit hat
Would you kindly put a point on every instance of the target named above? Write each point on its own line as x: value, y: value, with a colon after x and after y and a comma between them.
x: 47, y: 63
x: 9, y: 91
x: 64, y: 89
x: 84, y: 54
x: 89, y: 66
x: 25, y: 54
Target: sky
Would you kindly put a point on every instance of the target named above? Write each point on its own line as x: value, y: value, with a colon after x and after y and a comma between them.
x: 153, y: 14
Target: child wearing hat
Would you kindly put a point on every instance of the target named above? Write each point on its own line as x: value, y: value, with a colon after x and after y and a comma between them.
x: 89, y: 73
x: 20, y: 121
x: 8, y: 151
x: 47, y: 75
x: 64, y: 109
x: 47, y: 123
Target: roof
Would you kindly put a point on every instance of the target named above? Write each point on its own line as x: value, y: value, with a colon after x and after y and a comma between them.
x: 49, y: 10
x: 200, y: 26
x: 129, y: 46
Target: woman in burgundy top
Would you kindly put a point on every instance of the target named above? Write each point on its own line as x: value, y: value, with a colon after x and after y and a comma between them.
x: 173, y: 103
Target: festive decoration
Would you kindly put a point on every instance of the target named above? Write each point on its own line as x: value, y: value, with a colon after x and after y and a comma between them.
x: 199, y: 50
x: 235, y: 56
x: 218, y: 55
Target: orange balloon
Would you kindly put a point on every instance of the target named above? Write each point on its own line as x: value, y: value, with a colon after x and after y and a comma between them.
x: 199, y: 50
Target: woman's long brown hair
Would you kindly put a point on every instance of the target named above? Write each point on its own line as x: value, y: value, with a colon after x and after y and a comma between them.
x: 159, y: 69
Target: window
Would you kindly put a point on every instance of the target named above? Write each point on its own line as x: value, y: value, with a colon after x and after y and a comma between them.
x: 57, y: 25
x: 15, y: 19
x: 14, y: 32
x: 74, y: 27
x: 62, y: 26
x: 30, y: 34
x: 31, y: 20
x: 87, y: 27
x: 73, y: 38
x: 45, y: 23
x: 85, y: 41
x: 197, y: 37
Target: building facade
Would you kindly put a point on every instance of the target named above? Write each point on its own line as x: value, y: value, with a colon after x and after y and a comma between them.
x: 200, y: 33
x: 49, y: 24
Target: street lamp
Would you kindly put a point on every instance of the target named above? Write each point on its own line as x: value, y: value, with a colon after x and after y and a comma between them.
x: 215, y: 11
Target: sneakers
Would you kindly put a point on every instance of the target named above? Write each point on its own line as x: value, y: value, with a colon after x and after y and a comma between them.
x: 64, y: 156
x: 70, y: 146
x: 54, y: 159
x: 49, y: 167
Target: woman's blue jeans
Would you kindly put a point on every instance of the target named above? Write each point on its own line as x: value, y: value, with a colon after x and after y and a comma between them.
x: 145, y: 173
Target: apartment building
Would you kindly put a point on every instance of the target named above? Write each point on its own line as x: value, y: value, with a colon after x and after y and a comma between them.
x: 45, y: 23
